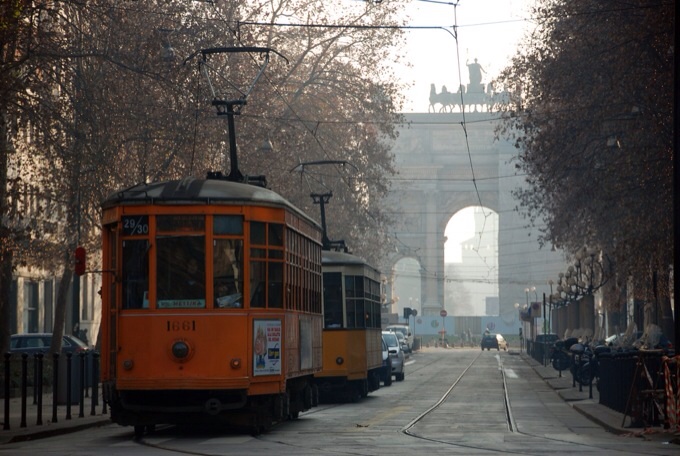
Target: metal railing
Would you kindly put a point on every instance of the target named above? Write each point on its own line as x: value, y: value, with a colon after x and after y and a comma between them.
x: 71, y: 378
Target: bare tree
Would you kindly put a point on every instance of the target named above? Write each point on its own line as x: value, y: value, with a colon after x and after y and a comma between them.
x: 592, y: 121
x: 101, y: 95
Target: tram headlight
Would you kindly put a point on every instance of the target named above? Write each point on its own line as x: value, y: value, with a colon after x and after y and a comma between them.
x: 128, y: 364
x: 180, y: 350
x: 235, y: 363
x: 339, y: 360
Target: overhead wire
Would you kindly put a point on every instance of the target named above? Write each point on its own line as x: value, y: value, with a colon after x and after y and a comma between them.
x: 463, y: 124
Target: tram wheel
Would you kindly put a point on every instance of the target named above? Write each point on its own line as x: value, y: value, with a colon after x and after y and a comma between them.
x: 388, y: 379
x: 139, y: 431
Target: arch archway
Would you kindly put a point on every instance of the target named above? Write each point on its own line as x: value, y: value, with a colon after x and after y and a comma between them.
x: 446, y: 163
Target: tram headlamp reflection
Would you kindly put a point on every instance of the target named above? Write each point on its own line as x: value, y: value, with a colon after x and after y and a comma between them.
x: 180, y: 349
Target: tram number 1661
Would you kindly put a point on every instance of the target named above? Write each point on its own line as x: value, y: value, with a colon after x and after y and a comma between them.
x: 181, y: 325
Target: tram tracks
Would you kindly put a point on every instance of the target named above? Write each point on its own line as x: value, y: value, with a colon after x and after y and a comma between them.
x: 444, y: 424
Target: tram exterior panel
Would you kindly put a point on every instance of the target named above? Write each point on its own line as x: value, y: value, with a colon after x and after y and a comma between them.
x: 211, y: 299
x: 352, y: 345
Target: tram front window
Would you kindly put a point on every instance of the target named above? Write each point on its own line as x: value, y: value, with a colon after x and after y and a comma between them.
x: 228, y: 271
x: 180, y: 272
x: 332, y: 300
x: 135, y: 274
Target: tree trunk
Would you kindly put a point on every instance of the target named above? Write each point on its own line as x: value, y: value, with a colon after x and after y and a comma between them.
x: 6, y: 255
x: 5, y: 286
x: 60, y: 306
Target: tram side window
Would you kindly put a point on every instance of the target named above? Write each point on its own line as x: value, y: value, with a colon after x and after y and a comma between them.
x: 275, y: 285
x: 180, y: 272
x: 257, y: 281
x: 135, y: 274
x: 266, y: 265
x: 356, y: 312
x: 332, y: 300
x: 228, y: 273
x: 372, y: 302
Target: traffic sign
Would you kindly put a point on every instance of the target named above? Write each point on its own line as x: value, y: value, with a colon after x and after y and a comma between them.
x: 443, y: 313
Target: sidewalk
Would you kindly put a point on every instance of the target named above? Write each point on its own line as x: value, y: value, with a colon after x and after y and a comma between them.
x: 63, y: 424
x: 609, y: 419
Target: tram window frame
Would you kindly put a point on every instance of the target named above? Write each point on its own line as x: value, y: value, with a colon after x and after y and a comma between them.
x: 228, y: 287
x: 333, y: 309
x: 178, y: 288
x: 266, y: 279
x: 135, y: 273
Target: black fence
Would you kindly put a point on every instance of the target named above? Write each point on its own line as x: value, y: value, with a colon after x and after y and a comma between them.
x: 632, y: 382
x: 68, y: 378
x: 539, y: 351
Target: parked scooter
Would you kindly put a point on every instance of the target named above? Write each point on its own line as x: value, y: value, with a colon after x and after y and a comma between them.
x: 589, y: 367
x: 560, y: 357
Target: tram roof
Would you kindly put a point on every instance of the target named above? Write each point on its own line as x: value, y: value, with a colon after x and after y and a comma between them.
x: 333, y: 257
x: 200, y: 191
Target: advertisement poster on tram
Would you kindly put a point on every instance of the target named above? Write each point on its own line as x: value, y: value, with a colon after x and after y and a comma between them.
x: 267, y: 347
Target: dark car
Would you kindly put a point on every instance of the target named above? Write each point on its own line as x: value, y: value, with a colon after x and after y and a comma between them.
x: 32, y: 343
x: 489, y: 341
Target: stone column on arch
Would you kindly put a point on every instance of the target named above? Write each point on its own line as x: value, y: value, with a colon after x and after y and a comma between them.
x: 432, y: 275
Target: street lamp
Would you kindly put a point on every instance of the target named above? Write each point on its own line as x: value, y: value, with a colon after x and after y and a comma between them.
x: 521, y: 324
x: 526, y: 291
x: 582, y: 279
x: 550, y: 304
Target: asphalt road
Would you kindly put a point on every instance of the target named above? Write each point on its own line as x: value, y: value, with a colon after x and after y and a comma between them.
x: 453, y: 401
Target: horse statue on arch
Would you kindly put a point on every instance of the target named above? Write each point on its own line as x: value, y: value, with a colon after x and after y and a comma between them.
x: 446, y: 99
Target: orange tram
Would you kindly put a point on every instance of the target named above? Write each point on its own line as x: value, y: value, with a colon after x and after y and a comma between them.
x: 212, y: 305
x: 352, y: 338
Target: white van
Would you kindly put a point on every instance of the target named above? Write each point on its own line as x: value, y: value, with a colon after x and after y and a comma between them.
x: 404, y: 329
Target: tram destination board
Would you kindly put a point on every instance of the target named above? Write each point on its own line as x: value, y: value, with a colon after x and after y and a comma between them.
x: 135, y: 225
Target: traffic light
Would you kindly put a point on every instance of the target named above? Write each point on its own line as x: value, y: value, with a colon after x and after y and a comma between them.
x: 81, y: 261
x: 407, y: 312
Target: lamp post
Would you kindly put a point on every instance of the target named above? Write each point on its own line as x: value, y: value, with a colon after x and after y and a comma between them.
x: 581, y: 280
x: 550, y: 304
x: 521, y: 325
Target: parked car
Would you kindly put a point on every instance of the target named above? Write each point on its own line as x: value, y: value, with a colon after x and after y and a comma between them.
x: 489, y: 341
x: 404, y: 329
x: 396, y: 354
x: 502, y: 343
x: 32, y: 343
x: 386, y: 371
x: 404, y: 345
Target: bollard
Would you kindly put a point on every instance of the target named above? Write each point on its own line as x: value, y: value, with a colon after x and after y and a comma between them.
x: 39, y: 385
x: 95, y: 381
x: 24, y: 365
x: 35, y: 379
x: 55, y: 385
x: 81, y: 412
x: 68, y: 385
x: 7, y: 384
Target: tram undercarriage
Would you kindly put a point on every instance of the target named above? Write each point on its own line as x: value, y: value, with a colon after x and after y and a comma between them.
x: 222, y: 408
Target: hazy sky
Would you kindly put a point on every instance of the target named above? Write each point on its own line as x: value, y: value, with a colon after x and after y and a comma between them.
x: 487, y: 30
